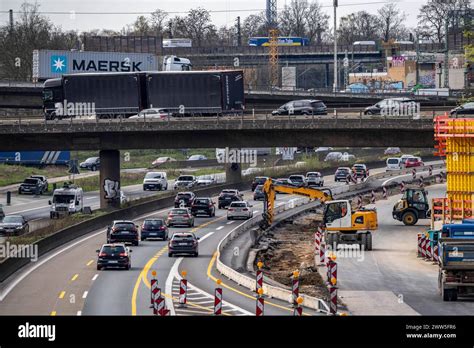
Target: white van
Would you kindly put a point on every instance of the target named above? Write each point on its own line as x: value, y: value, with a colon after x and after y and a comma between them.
x: 155, y: 181
x: 393, y: 163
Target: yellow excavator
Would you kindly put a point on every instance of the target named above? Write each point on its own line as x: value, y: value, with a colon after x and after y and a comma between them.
x: 342, y: 224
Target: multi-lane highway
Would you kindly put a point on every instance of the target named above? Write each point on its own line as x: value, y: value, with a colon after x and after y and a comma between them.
x: 66, y: 282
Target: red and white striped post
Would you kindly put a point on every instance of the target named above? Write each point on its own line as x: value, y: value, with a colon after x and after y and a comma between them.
x: 333, y: 270
x: 372, y: 197
x: 413, y: 173
x: 333, y: 299
x: 421, y: 182
x: 154, y: 287
x: 420, y: 249
x: 423, y: 245
x: 183, y: 290
x: 298, y: 311
x: 436, y: 253
x: 259, y: 277
x: 429, y: 253
x: 260, y: 307
x: 295, y: 286
x: 322, y: 253
x: 384, y: 192
x: 218, y: 299
x: 317, y: 246
x: 359, y: 202
x: 430, y: 170
x: 402, y: 187
x: 159, y: 304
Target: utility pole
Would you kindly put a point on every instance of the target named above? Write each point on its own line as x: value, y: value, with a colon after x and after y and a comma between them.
x: 11, y: 20
x: 335, y: 46
x: 239, y: 32
x: 446, y: 51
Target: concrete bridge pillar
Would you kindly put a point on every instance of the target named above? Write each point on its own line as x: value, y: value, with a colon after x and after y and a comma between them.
x: 109, y: 179
x: 233, y: 173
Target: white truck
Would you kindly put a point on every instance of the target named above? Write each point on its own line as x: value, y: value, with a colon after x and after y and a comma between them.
x: 67, y: 200
x: 173, y: 63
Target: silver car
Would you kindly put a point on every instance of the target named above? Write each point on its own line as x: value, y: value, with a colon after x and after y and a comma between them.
x: 239, y: 210
x: 180, y: 216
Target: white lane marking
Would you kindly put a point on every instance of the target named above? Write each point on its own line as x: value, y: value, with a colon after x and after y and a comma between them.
x: 255, y: 211
x: 204, y: 237
x: 169, y: 286
x: 219, y: 228
x: 85, y: 294
x: 91, y: 198
x: 22, y: 211
x: 38, y: 264
x: 230, y: 222
x: 95, y: 276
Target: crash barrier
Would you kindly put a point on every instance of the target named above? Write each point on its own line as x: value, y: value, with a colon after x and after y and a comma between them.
x: 428, y: 246
x: 10, y: 265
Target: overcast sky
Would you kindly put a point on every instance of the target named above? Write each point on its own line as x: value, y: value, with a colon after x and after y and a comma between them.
x: 231, y: 10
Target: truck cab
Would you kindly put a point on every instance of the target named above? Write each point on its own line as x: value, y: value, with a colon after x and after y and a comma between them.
x: 66, y: 201
x: 173, y: 63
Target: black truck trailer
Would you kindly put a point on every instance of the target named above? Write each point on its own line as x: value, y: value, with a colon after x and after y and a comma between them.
x: 113, y: 95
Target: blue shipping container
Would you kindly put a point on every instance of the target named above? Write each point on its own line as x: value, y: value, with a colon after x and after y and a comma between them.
x: 36, y: 157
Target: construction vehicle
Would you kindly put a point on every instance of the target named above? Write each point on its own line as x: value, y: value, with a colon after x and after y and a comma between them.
x: 412, y: 206
x: 456, y: 260
x: 342, y: 224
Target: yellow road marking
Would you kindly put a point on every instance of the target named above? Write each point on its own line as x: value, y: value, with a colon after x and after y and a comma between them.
x: 144, y: 273
x: 90, y: 263
x: 74, y: 277
x: 209, y: 274
x: 53, y: 313
x: 61, y: 294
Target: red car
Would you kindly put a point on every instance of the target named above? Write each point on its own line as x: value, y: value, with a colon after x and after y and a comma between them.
x: 414, y: 162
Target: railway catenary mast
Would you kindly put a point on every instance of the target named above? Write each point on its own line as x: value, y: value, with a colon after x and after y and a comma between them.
x: 273, y: 41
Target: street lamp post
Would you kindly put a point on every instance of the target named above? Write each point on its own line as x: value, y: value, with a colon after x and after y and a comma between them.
x: 335, y: 46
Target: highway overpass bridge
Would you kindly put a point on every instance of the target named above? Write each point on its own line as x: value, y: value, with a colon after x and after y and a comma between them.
x: 110, y: 136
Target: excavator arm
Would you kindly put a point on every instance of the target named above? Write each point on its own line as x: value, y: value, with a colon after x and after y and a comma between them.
x: 270, y: 190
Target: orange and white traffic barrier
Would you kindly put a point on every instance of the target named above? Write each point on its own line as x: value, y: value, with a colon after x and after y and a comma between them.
x: 402, y: 187
x: 154, y: 287
x: 322, y: 253
x: 317, y: 246
x: 359, y: 202
x: 420, y: 249
x: 436, y: 253
x: 298, y: 310
x: 333, y: 299
x: 384, y: 192
x: 430, y: 170
x: 183, y: 290
x: 421, y: 182
x: 218, y: 299
x: 372, y: 197
x: 259, y: 277
x: 333, y: 271
x: 260, y: 305
x: 413, y: 173
x: 295, y: 286
x: 423, y: 245
x: 429, y: 254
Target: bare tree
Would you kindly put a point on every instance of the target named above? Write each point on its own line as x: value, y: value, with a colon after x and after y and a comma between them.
x: 433, y: 15
x: 158, y: 22
x: 391, y: 22
x: 254, y: 25
x: 141, y: 26
x: 356, y: 27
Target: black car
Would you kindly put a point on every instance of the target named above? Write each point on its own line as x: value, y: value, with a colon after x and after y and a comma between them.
x: 258, y: 180
x: 32, y: 185
x: 92, y: 163
x: 204, y: 206
x: 154, y: 228
x: 390, y: 107
x: 342, y: 173
x: 302, y: 107
x: 43, y: 179
x: 465, y: 109
x: 184, y: 199
x: 360, y: 170
x: 123, y: 232
x: 183, y: 243
x: 258, y: 194
x: 297, y: 180
x: 2, y: 213
x: 114, y: 256
x: 228, y: 196
x: 14, y: 225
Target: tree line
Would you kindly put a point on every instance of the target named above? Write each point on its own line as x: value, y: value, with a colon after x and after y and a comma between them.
x: 302, y: 18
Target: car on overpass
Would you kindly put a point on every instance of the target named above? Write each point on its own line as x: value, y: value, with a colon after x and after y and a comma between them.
x: 197, y: 158
x: 239, y: 210
x: 184, y: 199
x: 153, y: 113
x: 203, y: 206
x: 389, y: 106
x: 302, y: 107
x: 14, y: 225
x: 180, y: 216
x: 92, y: 163
x: 115, y: 255
x: 154, y: 228
x: 183, y: 243
x: 123, y: 231
x: 162, y: 161
x: 465, y: 109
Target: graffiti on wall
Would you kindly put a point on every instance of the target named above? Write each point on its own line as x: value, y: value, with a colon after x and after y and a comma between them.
x: 112, y: 189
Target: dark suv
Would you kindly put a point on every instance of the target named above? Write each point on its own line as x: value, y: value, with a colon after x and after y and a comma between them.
x: 183, y: 243
x: 92, y: 163
x: 258, y: 180
x: 203, y: 205
x: 154, y: 228
x: 342, y: 173
x: 360, y: 170
x: 32, y: 185
x: 123, y: 232
x: 184, y: 199
x: 228, y: 196
x: 114, y: 256
x: 302, y: 107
